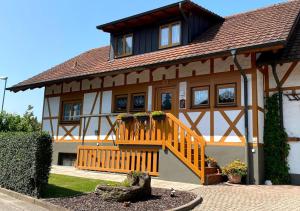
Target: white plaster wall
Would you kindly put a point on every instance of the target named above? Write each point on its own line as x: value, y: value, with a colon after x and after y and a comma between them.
x: 73, y: 86
x: 294, y: 78
x: 54, y: 103
x: 141, y: 77
x: 170, y: 73
x: 149, y: 101
x: 200, y: 68
x: 118, y: 80
x: 260, y: 89
x: 74, y: 132
x: 53, y: 89
x: 106, y: 102
x: 294, y: 157
x: 91, y: 84
x: 291, y: 115
x: 261, y: 123
x: 89, y: 98
x: 223, y: 65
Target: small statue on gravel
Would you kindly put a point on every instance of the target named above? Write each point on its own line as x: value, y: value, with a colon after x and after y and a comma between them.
x: 135, y: 187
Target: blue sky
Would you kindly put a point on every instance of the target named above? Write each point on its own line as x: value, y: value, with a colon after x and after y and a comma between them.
x: 36, y: 35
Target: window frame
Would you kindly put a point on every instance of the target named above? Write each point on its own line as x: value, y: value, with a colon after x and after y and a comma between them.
x: 115, y: 101
x: 70, y: 101
x: 124, y: 53
x: 169, y: 26
x: 131, y: 101
x: 199, y: 88
x: 227, y: 85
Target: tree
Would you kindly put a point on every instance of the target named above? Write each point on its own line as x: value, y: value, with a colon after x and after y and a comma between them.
x: 276, y: 148
x: 16, y: 123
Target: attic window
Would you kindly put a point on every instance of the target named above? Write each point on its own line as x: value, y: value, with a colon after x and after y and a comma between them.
x: 123, y: 45
x: 170, y: 35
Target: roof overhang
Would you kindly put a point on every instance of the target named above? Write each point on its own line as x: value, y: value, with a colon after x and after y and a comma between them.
x: 263, y: 47
x: 156, y: 15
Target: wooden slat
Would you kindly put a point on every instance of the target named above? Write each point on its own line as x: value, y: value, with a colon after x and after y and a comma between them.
x: 149, y: 162
x: 138, y: 161
x: 143, y: 161
x: 154, y: 164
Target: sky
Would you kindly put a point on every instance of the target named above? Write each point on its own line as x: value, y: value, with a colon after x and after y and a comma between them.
x: 36, y: 35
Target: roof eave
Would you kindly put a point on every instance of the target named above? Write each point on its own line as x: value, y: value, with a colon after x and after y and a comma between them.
x: 252, y: 48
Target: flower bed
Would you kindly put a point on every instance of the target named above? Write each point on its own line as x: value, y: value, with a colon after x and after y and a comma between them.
x: 159, y: 200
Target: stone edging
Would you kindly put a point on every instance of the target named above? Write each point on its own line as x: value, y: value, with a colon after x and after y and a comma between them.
x: 32, y: 200
x: 188, y: 206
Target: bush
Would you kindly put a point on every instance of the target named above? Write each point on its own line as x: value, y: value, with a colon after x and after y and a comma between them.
x: 235, y: 168
x: 25, y: 162
x: 276, y: 148
x: 16, y: 123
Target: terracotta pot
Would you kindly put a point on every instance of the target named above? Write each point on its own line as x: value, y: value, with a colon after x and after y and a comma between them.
x: 235, y: 179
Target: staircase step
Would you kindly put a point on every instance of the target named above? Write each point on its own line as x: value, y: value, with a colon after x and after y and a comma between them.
x: 212, y: 179
x: 211, y: 170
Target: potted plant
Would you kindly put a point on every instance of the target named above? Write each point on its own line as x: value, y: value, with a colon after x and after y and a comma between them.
x: 211, y: 162
x: 142, y: 116
x: 124, y: 117
x: 235, y: 171
x: 158, y: 115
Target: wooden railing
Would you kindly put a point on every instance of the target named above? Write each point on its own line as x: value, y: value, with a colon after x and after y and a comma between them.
x: 171, y: 133
x: 115, y: 159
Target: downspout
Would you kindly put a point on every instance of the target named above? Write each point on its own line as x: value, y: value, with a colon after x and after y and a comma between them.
x: 246, y: 108
x: 186, y: 21
x: 279, y: 88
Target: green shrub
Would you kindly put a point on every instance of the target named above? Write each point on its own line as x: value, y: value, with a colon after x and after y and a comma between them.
x: 235, y: 168
x: 158, y: 113
x: 16, y: 123
x: 25, y: 161
x: 276, y: 148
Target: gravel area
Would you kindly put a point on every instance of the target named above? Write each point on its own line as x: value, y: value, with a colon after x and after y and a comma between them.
x: 160, y: 200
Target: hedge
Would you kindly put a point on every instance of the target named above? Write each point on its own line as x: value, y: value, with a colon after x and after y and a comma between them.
x: 25, y: 162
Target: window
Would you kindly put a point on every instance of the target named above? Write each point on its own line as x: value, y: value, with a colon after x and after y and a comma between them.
x: 123, y: 45
x: 121, y: 102
x: 166, y: 101
x: 170, y: 35
x: 200, y: 97
x: 138, y: 102
x: 71, y: 111
x: 226, y: 94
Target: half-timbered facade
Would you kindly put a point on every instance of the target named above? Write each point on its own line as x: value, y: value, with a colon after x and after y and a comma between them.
x: 194, y: 65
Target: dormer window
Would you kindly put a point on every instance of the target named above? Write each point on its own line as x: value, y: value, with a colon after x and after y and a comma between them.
x: 170, y: 35
x: 123, y: 45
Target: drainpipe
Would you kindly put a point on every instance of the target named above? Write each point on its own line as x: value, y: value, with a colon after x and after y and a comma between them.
x: 246, y: 108
x: 279, y: 88
x: 186, y: 21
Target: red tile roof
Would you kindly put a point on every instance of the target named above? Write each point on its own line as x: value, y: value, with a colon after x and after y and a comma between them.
x: 267, y: 26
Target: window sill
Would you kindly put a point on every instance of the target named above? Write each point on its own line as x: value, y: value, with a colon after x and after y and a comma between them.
x: 69, y: 122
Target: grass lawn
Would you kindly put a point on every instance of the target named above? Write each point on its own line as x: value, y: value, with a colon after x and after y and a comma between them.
x: 63, y: 186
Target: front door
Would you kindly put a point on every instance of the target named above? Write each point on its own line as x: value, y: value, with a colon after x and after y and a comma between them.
x: 166, y: 100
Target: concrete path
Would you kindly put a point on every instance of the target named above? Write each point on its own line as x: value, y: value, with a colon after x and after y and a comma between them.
x: 8, y: 203
x: 253, y: 197
x: 71, y: 171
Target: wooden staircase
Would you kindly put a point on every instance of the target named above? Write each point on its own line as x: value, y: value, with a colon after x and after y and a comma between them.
x: 169, y: 133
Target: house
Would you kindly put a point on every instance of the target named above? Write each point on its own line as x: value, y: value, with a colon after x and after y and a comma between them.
x: 210, y: 74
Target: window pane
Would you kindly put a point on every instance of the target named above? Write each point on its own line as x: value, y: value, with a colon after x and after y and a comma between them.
x: 71, y: 111
x: 128, y: 43
x: 76, y: 111
x: 138, y: 102
x: 121, y: 103
x: 166, y: 101
x: 200, y: 97
x: 226, y: 95
x: 164, y: 36
x: 175, y: 33
x: 67, y: 112
x: 119, y: 46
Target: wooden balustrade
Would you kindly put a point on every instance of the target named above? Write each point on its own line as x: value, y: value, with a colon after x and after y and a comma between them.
x: 170, y: 133
x: 188, y: 146
x: 115, y: 159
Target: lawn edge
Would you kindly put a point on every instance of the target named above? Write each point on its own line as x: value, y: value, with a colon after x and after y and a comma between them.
x: 32, y: 200
x: 188, y: 206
